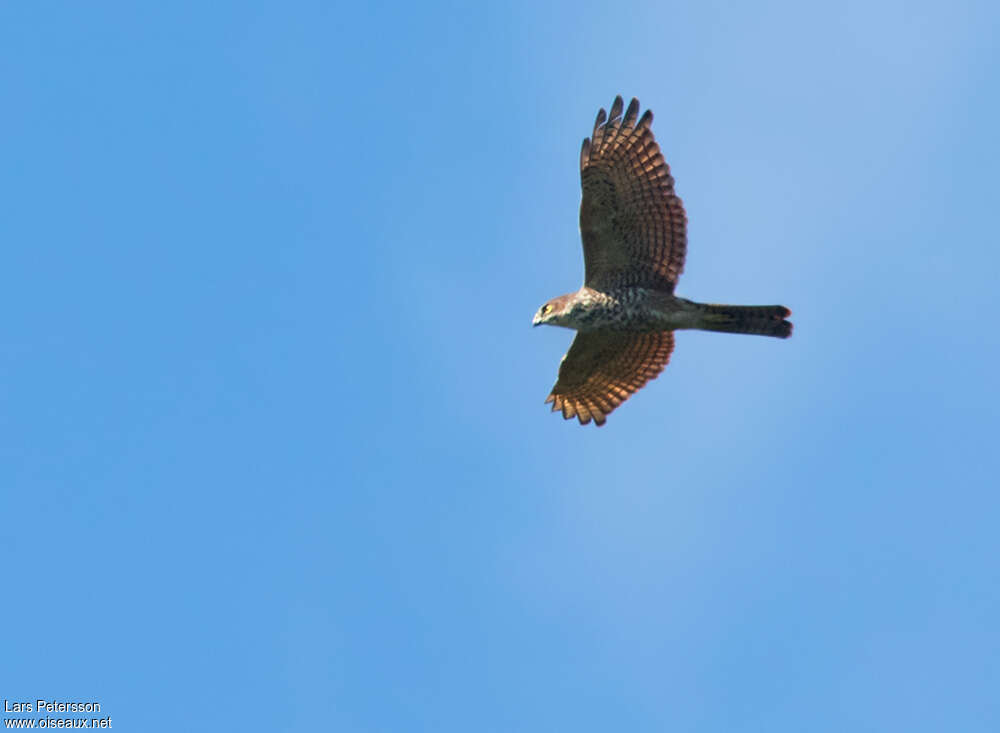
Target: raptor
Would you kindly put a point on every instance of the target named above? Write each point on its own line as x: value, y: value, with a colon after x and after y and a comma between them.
x: 634, y: 233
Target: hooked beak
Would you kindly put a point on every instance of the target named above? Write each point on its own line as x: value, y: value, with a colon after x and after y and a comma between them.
x: 536, y: 321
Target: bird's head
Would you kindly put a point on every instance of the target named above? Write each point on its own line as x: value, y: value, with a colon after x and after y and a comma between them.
x: 555, y: 312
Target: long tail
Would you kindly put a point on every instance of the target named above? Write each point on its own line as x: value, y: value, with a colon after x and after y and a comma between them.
x: 764, y: 320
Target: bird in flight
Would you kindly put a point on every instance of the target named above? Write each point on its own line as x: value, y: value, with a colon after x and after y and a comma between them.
x: 634, y: 233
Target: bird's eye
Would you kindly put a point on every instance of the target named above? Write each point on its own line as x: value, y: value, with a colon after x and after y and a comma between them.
x: 546, y: 308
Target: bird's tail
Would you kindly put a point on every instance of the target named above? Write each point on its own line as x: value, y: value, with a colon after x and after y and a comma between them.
x: 763, y: 320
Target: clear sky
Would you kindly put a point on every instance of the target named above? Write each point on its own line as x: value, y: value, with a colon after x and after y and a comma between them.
x: 273, y: 453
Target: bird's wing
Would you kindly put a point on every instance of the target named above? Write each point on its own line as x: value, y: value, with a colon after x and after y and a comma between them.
x: 633, y: 226
x: 602, y: 369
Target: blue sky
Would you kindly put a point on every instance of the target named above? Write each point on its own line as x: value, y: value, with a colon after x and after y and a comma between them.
x: 273, y: 453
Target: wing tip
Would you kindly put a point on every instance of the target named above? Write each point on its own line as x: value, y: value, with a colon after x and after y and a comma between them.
x: 602, y: 117
x: 616, y: 110
x: 631, y: 114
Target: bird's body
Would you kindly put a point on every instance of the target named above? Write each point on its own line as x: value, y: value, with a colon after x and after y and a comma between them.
x: 625, y: 309
x: 634, y: 233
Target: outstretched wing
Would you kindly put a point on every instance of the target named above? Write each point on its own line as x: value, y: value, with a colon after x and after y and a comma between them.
x: 602, y: 369
x: 633, y: 225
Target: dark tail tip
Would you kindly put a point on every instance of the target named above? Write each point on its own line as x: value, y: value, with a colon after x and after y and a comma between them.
x: 774, y: 323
